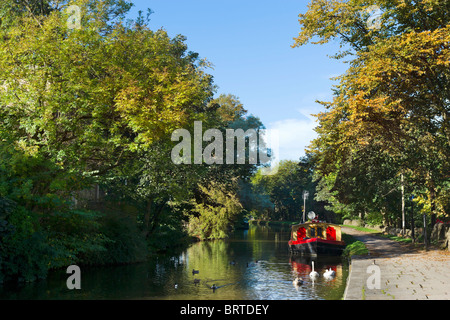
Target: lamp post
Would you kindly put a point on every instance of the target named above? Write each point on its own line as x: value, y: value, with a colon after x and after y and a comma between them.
x: 305, y: 196
x: 403, y: 206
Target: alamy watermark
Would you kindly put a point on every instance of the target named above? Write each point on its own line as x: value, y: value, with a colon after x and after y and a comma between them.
x: 374, y: 280
x: 262, y: 147
x: 74, y: 19
x: 375, y: 17
x: 74, y: 281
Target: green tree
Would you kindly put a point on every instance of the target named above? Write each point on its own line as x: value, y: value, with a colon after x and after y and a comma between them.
x: 285, y: 189
x: 81, y: 107
x: 390, y: 108
x: 87, y: 98
x: 216, y: 215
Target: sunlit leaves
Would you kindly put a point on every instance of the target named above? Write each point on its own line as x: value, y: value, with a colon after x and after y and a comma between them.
x: 95, y: 94
x: 394, y: 98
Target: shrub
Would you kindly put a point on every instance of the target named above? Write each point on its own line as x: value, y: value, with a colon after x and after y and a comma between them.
x: 355, y: 248
x: 24, y: 251
x: 125, y: 242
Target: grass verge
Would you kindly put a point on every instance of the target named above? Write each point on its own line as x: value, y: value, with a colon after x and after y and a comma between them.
x: 361, y: 229
x: 398, y: 239
x: 354, y: 247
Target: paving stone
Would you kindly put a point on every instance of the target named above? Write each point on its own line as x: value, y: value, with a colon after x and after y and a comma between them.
x: 405, y: 274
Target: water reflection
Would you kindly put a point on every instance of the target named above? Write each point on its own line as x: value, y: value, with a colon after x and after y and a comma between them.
x: 252, y: 264
x: 322, y: 288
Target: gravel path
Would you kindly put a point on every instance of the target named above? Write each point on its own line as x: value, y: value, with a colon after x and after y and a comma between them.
x: 397, y: 271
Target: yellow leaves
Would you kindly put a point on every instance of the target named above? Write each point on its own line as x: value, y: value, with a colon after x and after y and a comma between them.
x: 389, y: 89
x: 95, y: 94
x: 29, y: 150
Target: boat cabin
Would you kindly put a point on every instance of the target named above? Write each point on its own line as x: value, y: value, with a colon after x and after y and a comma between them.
x: 316, y: 238
x: 321, y: 230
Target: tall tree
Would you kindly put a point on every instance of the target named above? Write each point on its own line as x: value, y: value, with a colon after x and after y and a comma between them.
x: 393, y: 99
x: 285, y: 189
x: 86, y: 98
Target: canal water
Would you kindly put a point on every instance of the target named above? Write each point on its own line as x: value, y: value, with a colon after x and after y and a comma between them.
x: 252, y: 264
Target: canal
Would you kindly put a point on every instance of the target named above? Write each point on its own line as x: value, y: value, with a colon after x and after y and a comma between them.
x: 252, y: 264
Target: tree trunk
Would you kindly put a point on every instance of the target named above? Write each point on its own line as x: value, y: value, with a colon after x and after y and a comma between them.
x: 433, y: 207
x: 146, y: 219
x: 432, y: 192
x: 156, y: 216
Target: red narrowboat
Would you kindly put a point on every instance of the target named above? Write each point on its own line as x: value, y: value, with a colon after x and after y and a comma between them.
x: 316, y: 238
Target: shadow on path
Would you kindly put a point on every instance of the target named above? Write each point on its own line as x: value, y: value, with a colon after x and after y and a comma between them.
x: 405, y: 272
x: 379, y: 246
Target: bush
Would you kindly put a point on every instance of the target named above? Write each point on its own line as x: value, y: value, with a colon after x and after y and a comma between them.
x: 374, y: 219
x: 93, y: 238
x: 26, y: 259
x: 125, y: 242
x: 170, y: 232
x: 24, y: 251
x: 354, y: 247
x: 75, y: 235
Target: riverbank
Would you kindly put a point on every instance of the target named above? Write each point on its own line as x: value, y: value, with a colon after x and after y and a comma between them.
x: 405, y: 271
x: 272, y: 222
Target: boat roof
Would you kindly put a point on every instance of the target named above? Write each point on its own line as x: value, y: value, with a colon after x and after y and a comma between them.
x: 309, y: 223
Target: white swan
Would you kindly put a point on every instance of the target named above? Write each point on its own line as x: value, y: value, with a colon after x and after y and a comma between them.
x: 329, y: 274
x: 313, y: 274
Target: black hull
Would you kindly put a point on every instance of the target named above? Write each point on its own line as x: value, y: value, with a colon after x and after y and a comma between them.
x: 317, y: 248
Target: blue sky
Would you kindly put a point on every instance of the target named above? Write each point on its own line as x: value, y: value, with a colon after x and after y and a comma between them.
x: 249, y: 44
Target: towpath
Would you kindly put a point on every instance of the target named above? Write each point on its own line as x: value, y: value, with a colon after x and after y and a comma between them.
x: 405, y: 272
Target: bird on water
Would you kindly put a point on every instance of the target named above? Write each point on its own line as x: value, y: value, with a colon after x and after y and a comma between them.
x: 329, y: 274
x: 314, y: 274
x: 297, y: 282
